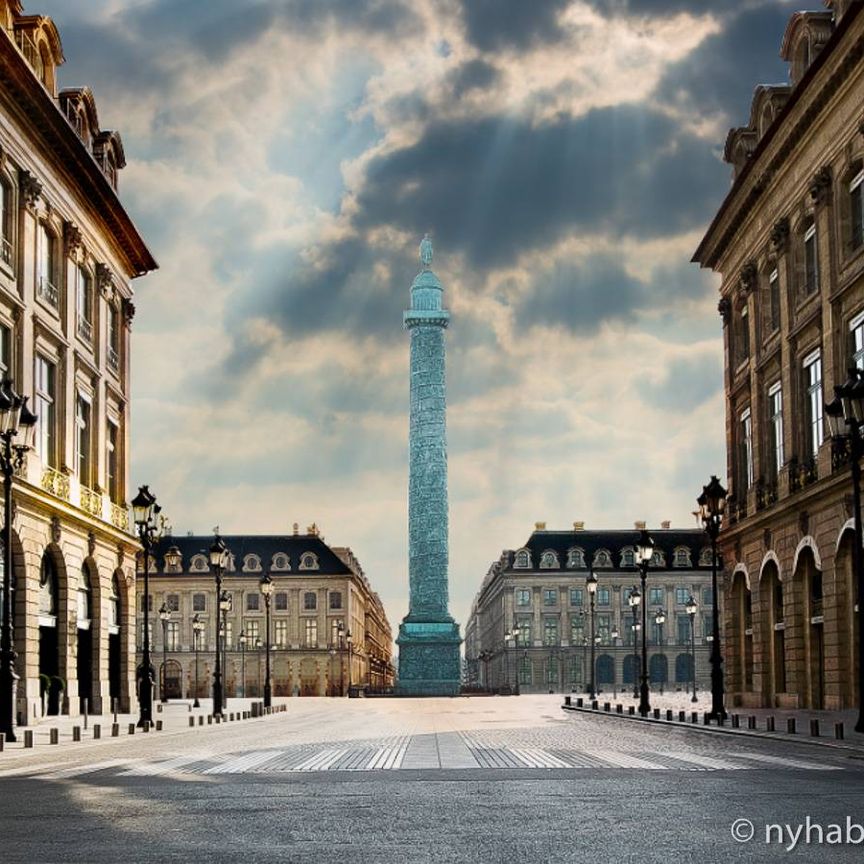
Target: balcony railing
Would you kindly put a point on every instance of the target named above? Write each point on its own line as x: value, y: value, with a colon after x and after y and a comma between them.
x: 113, y: 360
x: 91, y: 501
x: 55, y: 482
x: 85, y: 329
x: 120, y: 516
x: 48, y: 292
x: 30, y: 52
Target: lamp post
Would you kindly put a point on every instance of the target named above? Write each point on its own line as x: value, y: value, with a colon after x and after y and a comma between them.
x: 218, y: 554
x: 613, y: 635
x: 691, y: 608
x: 660, y: 620
x: 712, y: 504
x: 267, y: 591
x: 644, y: 554
x: 349, y: 639
x: 848, y: 407
x: 341, y: 634
x: 14, y: 416
x: 591, y: 584
x: 197, y: 630
x: 508, y: 637
x: 258, y: 646
x: 634, y: 600
x: 515, y: 632
x: 165, y: 616
x: 145, y: 512
x: 225, y: 608
x: 242, y: 638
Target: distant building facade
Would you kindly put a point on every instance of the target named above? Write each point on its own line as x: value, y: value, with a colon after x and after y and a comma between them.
x: 789, y: 243
x: 68, y: 254
x: 316, y: 590
x: 540, y: 591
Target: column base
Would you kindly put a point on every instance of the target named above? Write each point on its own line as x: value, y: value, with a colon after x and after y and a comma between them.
x: 429, y: 659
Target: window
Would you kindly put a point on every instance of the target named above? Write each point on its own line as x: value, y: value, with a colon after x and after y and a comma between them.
x: 602, y: 558
x: 280, y: 562
x: 577, y: 630
x: 856, y: 196
x: 682, y: 595
x: 311, y: 633
x: 253, y: 601
x: 252, y: 630
x: 335, y: 599
x: 523, y: 559
x: 199, y: 602
x: 682, y: 557
x: 5, y: 351
x: 811, y: 261
x: 228, y: 634
x: 743, y: 335
x: 813, y: 385
x: 46, y: 246
x: 84, y: 594
x: 707, y: 597
x: 84, y: 303
x: 745, y: 449
x: 603, y: 597
x: 603, y: 625
x: 628, y: 557
x: 310, y: 601
x: 576, y: 559
x: 656, y: 597
x: 114, y: 604
x: 113, y: 338
x: 523, y: 596
x: 172, y: 635
x: 172, y: 601
x: 549, y: 561
x: 775, y: 427
x: 141, y: 603
x: 683, y: 626
x: 281, y: 601
x: 141, y: 633
x: 83, y: 441
x: 309, y: 561
x: 856, y: 332
x: 525, y: 671
x: 46, y: 395
x: 280, y: 633
x: 774, y: 301
x: 576, y: 596
x: 5, y: 223
x: 550, y: 597
x: 112, y: 438
x: 550, y: 631
x: 252, y: 563
x: 523, y: 625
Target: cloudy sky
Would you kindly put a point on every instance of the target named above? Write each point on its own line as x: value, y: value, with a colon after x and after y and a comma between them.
x: 286, y: 156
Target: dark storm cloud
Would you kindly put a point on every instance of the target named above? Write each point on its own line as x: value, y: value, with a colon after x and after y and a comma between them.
x: 495, y: 187
x: 494, y: 24
x: 473, y: 75
x: 722, y: 72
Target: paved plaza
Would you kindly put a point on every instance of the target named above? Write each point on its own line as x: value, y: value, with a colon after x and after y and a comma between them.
x: 463, y: 779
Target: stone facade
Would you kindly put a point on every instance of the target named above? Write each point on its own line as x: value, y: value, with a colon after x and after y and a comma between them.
x: 788, y: 243
x: 540, y: 590
x: 68, y: 253
x: 429, y: 663
x: 316, y: 588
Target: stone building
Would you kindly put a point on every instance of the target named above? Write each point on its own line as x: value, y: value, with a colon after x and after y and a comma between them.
x: 540, y: 591
x: 789, y: 244
x: 68, y: 253
x: 317, y: 589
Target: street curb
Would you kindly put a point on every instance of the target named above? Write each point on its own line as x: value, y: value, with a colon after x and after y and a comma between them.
x: 695, y: 727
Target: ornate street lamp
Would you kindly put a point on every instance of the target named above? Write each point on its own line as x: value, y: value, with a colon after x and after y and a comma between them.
x: 165, y: 616
x: 644, y: 554
x: 15, y: 416
x: 660, y: 620
x: 225, y: 608
x: 712, y: 504
x: 349, y: 640
x: 145, y: 512
x: 691, y: 608
x: 613, y: 636
x: 845, y: 420
x: 242, y: 639
x: 197, y: 630
x: 341, y: 634
x: 634, y: 600
x: 515, y: 634
x: 267, y: 591
x: 591, y: 584
x: 218, y: 556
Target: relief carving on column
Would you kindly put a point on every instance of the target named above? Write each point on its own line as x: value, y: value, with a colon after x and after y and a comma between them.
x: 820, y: 185
x: 780, y: 236
x: 31, y: 189
x: 724, y: 307
x: 72, y: 237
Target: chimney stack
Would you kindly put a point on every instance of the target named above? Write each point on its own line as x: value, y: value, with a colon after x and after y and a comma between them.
x: 578, y: 526
x: 665, y: 526
x: 640, y: 526
x: 539, y: 526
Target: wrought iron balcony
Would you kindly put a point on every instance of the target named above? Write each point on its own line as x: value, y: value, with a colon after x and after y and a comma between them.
x: 48, y: 292
x: 91, y: 501
x: 85, y: 329
x: 55, y: 482
x: 120, y: 516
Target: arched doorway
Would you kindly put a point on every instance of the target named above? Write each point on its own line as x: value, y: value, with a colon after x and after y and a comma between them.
x: 84, y: 633
x: 114, y: 644
x: 742, y: 629
x: 658, y: 669
x: 772, y: 621
x: 684, y: 669
x: 51, y: 684
x: 172, y: 677
x: 605, y: 669
x: 846, y: 587
x: 631, y: 666
x: 809, y: 577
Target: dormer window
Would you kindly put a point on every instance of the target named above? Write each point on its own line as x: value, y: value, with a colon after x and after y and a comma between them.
x: 628, y: 557
x: 309, y: 561
x: 549, y: 560
x: 602, y: 558
x: 199, y: 563
x: 251, y: 563
x: 522, y: 561
x: 682, y: 557
x: 280, y: 562
x: 576, y: 559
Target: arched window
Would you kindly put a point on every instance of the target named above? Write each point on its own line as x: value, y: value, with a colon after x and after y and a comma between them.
x: 549, y: 560
x: 522, y: 560
x: 602, y: 558
x: 280, y: 562
x: 85, y: 592
x: 682, y: 557
x: 251, y: 563
x: 605, y: 669
x: 309, y: 561
x: 683, y: 669
x: 199, y: 563
x: 576, y: 559
x: 628, y: 557
x: 658, y: 559
x: 48, y: 587
x: 705, y: 557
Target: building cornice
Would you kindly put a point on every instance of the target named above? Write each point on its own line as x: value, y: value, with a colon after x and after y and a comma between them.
x: 757, y: 174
